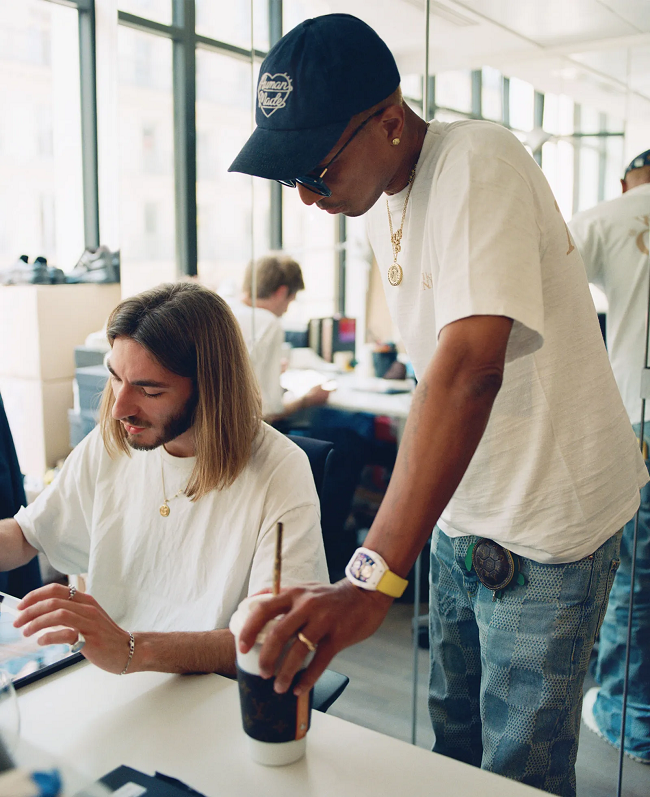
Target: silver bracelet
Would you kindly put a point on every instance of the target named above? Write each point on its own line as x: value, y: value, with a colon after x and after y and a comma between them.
x: 131, y: 651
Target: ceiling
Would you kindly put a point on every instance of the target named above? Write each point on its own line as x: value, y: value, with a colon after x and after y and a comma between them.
x: 595, y: 51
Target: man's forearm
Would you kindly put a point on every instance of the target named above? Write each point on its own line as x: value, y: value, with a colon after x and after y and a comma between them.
x: 184, y: 652
x: 451, y: 408
x: 14, y: 548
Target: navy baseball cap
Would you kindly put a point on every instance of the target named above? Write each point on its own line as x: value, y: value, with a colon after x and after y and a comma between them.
x: 641, y: 160
x: 312, y: 82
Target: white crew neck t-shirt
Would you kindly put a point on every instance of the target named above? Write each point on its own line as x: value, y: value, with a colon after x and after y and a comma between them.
x: 558, y: 470
x: 265, y: 351
x: 190, y: 570
x: 613, y: 241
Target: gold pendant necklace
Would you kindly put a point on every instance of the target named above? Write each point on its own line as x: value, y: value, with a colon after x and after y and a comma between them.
x: 164, y: 508
x: 395, y: 272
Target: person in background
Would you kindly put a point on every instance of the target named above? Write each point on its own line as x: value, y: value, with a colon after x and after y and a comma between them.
x: 278, y: 279
x: 171, y: 503
x: 613, y: 241
x: 517, y: 445
x: 23, y: 579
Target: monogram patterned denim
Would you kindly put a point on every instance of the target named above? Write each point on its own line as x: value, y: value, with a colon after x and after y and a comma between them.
x: 505, y: 688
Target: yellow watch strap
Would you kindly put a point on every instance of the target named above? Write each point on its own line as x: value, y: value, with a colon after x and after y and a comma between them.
x: 392, y: 584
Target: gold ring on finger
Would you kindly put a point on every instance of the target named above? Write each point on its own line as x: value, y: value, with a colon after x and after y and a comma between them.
x: 307, y: 642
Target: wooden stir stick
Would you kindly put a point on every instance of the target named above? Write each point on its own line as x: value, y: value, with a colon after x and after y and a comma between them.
x: 277, y: 566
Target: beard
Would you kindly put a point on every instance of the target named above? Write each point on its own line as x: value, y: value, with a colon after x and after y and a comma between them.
x: 174, y: 427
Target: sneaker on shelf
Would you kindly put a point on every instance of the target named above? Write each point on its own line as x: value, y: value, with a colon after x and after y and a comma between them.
x: 40, y: 274
x: 17, y: 274
x: 96, y: 265
x: 55, y: 275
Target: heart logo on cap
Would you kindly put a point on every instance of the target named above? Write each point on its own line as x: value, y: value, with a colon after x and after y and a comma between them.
x: 272, y: 92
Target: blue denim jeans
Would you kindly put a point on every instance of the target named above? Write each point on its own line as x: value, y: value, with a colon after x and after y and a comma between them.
x: 613, y: 636
x: 506, y: 676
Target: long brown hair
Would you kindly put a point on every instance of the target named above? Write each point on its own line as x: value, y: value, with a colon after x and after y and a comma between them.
x: 192, y: 332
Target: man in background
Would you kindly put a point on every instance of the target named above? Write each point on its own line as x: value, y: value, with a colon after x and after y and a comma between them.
x: 278, y: 279
x: 613, y: 241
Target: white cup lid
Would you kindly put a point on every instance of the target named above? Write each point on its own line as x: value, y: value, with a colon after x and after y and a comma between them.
x: 238, y: 620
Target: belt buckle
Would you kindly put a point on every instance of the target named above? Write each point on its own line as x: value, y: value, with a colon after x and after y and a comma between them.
x: 495, y: 566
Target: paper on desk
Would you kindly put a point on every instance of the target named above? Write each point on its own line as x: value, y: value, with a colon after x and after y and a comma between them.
x: 299, y: 383
x: 20, y: 655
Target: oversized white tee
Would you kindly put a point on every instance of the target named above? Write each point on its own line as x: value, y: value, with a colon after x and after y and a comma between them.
x: 558, y: 470
x: 187, y: 571
x: 613, y: 241
x: 265, y: 350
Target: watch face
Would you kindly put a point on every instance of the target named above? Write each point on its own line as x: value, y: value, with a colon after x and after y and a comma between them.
x: 363, y: 566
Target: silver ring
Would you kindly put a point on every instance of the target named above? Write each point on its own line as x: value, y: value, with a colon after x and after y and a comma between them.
x: 81, y: 641
x: 73, y: 591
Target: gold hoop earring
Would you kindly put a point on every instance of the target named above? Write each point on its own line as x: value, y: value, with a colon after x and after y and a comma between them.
x: 395, y: 142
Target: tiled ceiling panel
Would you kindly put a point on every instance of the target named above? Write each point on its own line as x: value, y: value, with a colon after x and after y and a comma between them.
x: 558, y: 22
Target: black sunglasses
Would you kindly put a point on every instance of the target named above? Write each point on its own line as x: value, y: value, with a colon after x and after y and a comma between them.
x: 316, y: 183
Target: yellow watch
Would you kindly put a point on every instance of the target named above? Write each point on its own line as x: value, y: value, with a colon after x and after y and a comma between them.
x: 368, y: 570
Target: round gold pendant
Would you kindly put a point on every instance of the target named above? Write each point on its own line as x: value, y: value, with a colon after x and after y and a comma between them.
x: 395, y: 274
x: 164, y: 510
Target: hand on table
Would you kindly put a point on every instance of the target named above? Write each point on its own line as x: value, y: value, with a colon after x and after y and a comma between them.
x: 332, y: 617
x: 316, y: 396
x: 107, y: 645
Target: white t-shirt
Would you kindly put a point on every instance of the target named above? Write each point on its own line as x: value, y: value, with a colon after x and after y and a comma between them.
x: 558, y: 470
x: 613, y: 241
x: 187, y: 571
x: 265, y: 352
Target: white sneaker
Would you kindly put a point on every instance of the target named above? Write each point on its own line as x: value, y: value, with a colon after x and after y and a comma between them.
x: 588, y: 703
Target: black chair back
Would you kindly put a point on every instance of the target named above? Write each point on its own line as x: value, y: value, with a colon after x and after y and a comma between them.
x: 318, y: 452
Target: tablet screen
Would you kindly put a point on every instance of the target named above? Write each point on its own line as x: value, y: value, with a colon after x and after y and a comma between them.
x: 22, y: 657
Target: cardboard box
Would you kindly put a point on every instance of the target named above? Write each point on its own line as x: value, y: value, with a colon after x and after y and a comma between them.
x: 40, y: 325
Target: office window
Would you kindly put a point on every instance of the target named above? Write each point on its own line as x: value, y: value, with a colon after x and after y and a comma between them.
x: 230, y: 22
x: 147, y: 217
x: 309, y: 237
x: 225, y: 222
x: 41, y: 197
x: 522, y: 105
x: 295, y: 11
x: 412, y: 92
x: 448, y: 116
x: 492, y: 94
x: 454, y: 90
x: 589, y: 169
x: 558, y: 114
x: 614, y: 166
x: 557, y: 163
x: 157, y: 10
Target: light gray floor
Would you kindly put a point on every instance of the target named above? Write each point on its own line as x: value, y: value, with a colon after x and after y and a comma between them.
x: 379, y: 697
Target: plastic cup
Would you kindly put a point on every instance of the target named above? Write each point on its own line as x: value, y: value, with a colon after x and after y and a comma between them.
x: 275, y: 725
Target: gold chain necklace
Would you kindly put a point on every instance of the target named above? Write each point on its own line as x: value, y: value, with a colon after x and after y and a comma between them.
x: 395, y: 272
x: 164, y: 509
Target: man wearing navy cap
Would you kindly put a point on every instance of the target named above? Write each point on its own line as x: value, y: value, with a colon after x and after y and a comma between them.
x: 517, y: 448
x: 613, y: 241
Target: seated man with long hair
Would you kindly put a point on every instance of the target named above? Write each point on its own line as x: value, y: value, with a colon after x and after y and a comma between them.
x: 171, y: 504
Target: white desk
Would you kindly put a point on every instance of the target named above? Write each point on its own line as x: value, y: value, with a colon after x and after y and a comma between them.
x: 348, y: 397
x: 189, y: 727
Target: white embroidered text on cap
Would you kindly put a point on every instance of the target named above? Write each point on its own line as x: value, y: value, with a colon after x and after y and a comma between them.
x: 272, y: 92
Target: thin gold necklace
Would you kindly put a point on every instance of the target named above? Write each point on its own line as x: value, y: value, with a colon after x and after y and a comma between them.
x: 164, y: 509
x: 395, y: 272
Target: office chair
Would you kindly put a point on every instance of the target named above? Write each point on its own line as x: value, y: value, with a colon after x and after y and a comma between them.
x: 331, y: 683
